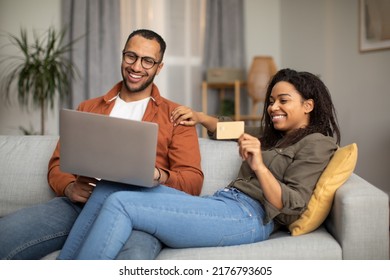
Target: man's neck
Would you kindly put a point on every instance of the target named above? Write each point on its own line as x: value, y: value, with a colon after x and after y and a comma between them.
x: 128, y: 96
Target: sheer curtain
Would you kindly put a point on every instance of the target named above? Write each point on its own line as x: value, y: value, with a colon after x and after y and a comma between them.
x: 97, y: 54
x: 224, y: 37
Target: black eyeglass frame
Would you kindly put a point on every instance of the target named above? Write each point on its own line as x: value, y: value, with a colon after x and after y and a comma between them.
x: 144, y: 59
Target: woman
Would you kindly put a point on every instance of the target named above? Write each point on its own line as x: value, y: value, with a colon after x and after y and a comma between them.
x: 273, y: 186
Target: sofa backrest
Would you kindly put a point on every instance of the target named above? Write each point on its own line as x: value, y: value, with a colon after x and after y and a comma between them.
x: 220, y: 163
x: 23, y: 171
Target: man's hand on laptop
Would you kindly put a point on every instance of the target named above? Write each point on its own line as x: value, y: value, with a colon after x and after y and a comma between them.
x: 81, y: 189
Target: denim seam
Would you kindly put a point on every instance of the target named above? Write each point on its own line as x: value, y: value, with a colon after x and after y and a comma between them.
x: 34, y: 242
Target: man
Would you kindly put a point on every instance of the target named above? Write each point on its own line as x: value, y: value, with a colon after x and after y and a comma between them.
x: 34, y: 232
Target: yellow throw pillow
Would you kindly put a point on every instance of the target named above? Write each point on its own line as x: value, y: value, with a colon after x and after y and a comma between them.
x: 338, y: 170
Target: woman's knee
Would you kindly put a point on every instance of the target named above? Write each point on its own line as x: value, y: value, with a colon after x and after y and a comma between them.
x: 115, y: 201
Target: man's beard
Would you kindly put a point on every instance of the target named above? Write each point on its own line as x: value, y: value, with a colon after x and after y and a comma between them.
x: 142, y: 87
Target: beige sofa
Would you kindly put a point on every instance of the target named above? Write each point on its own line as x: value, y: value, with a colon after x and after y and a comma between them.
x: 356, y: 228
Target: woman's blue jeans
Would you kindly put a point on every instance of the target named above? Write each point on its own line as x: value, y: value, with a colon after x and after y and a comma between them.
x: 179, y: 220
x: 145, y: 242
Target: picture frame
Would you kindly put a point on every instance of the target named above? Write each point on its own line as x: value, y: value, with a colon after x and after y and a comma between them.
x: 374, y: 25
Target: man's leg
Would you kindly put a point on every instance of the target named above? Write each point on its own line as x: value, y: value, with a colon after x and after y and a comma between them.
x: 140, y: 246
x: 34, y: 232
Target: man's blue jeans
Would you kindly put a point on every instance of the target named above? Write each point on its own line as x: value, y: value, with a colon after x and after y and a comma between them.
x: 33, y: 232
x: 179, y: 220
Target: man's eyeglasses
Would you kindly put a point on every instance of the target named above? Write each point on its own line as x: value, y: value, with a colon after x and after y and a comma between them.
x: 146, y: 62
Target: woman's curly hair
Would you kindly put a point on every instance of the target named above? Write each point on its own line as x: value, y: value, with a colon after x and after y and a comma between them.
x: 323, y: 118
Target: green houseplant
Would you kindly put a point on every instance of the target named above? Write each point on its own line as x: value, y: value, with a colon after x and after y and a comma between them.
x: 40, y: 70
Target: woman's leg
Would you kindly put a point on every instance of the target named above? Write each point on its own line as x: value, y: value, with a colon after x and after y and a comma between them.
x: 86, y: 218
x: 177, y: 219
x: 88, y: 215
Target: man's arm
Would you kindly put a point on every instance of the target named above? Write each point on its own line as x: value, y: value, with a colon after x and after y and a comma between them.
x: 57, y: 179
x: 184, y: 170
x: 77, y: 189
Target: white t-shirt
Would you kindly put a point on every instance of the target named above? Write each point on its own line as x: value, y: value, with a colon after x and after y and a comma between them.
x: 129, y: 110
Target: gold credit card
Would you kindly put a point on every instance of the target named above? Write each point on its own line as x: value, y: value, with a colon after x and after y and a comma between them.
x: 230, y: 130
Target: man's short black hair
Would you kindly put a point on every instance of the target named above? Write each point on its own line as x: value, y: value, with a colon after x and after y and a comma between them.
x: 151, y: 35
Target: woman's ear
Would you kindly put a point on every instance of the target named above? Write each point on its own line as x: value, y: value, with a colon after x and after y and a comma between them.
x: 309, y: 105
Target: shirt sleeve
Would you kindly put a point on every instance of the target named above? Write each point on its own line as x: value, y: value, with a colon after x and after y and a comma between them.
x: 57, y: 179
x: 184, y: 172
x: 301, y: 176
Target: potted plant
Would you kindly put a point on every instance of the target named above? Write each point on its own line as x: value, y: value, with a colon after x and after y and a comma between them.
x: 40, y: 70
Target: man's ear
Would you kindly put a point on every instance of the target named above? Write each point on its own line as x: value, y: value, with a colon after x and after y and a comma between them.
x: 159, y: 67
x: 309, y: 105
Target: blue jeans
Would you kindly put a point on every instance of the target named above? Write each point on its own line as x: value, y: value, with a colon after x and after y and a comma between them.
x: 179, y: 220
x: 33, y: 232
x: 88, y: 215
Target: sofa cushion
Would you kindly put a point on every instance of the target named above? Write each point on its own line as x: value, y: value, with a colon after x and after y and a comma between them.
x: 335, y: 174
x: 23, y: 171
x: 318, y: 245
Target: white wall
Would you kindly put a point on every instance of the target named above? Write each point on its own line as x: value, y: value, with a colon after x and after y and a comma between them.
x: 318, y: 36
x: 322, y: 37
x: 38, y: 15
x: 262, y: 29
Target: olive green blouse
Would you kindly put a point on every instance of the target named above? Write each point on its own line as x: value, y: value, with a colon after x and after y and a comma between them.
x: 297, y: 169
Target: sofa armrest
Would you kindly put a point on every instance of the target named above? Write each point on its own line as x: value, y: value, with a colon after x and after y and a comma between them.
x: 359, y: 220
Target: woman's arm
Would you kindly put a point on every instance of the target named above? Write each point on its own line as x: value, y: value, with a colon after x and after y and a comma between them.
x: 183, y: 115
x: 250, y: 151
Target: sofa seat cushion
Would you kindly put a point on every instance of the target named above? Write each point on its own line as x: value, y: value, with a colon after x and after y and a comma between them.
x: 318, y: 245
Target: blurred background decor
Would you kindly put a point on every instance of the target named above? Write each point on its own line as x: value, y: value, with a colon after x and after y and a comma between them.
x: 263, y: 68
x: 40, y: 71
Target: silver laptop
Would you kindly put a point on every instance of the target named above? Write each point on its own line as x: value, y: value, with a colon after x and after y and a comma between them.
x: 108, y: 148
